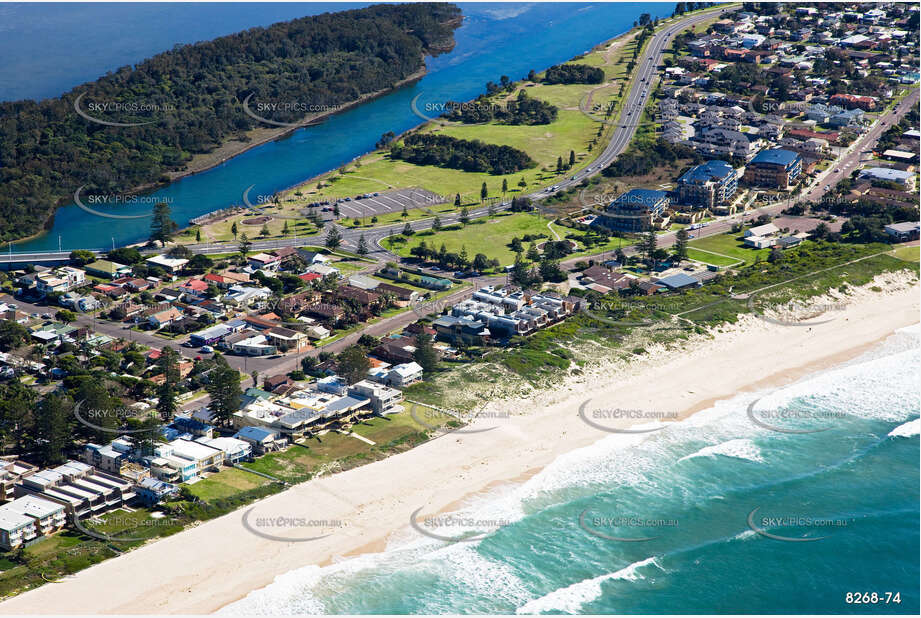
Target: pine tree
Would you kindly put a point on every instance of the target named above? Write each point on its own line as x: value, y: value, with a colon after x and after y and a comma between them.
x: 681, y: 244
x: 362, y: 246
x: 559, y: 164
x: 265, y: 230
x: 505, y: 182
x: 333, y: 237
x: 425, y: 353
x: 436, y: 224
x: 224, y: 388
x: 464, y: 215
x: 484, y: 193
x: 407, y: 229
x: 533, y: 254
x: 648, y: 245
x: 52, y: 430
x: 162, y: 227
x: 167, y: 392
x: 245, y: 244
x: 197, y: 234
x: 572, y: 158
x: 457, y: 201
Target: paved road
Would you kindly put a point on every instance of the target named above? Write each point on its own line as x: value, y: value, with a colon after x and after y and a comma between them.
x: 852, y: 158
x: 623, y: 132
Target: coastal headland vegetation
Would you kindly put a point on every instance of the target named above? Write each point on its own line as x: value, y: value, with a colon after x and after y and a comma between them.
x: 139, y: 126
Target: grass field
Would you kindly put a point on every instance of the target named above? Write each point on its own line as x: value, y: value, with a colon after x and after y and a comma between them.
x: 489, y: 236
x: 711, y: 258
x: 909, y: 254
x: 729, y: 245
x: 227, y: 482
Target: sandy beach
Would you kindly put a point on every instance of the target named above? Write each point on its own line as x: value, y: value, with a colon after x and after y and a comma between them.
x: 205, y: 568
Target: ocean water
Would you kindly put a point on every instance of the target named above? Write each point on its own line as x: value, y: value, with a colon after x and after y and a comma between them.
x: 495, y: 39
x: 690, y: 490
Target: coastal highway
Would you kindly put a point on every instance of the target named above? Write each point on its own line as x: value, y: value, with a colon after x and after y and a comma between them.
x: 843, y: 166
x: 637, y: 99
x: 623, y: 131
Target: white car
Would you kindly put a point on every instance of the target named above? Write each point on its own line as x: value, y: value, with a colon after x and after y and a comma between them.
x: 207, y: 349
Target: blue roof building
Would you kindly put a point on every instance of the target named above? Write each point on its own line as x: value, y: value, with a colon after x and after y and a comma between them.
x: 775, y: 168
x: 679, y: 281
x: 634, y: 211
x: 707, y: 185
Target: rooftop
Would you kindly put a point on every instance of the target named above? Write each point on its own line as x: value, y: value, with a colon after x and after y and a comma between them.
x: 776, y: 157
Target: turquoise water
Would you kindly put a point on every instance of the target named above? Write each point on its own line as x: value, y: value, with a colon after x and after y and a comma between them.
x: 495, y: 39
x: 698, y: 480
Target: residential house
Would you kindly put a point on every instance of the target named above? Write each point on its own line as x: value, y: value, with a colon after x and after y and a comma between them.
x: 261, y: 439
x: 461, y: 331
x: 404, y: 374
x: 107, y: 269
x: 170, y: 265
x: 151, y: 491
x: 384, y: 400
x: 164, y: 318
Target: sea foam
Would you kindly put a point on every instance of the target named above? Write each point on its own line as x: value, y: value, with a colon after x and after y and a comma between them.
x: 571, y: 598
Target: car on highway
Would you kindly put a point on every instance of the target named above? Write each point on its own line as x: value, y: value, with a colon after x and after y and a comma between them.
x: 837, y: 170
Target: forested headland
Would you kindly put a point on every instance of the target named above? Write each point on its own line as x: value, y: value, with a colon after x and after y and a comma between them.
x: 190, y: 100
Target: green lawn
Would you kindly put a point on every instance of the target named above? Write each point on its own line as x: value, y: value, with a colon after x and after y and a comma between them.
x: 489, y: 236
x: 909, y: 254
x: 382, y: 430
x: 729, y: 245
x: 711, y: 258
x: 293, y: 465
x: 227, y: 482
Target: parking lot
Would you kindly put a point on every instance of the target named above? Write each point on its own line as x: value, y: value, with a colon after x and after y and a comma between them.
x: 387, y: 201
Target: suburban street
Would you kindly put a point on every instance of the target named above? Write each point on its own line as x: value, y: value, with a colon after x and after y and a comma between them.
x: 623, y: 130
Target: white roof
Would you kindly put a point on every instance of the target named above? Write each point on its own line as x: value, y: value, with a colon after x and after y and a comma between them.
x: 227, y: 445
x: 763, y: 230
x: 192, y: 450
x: 168, y: 262
x: 408, y: 369
x: 33, y: 506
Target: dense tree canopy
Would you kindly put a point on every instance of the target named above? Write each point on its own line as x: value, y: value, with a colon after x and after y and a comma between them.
x: 573, y: 74
x: 460, y: 154
x: 192, y: 101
